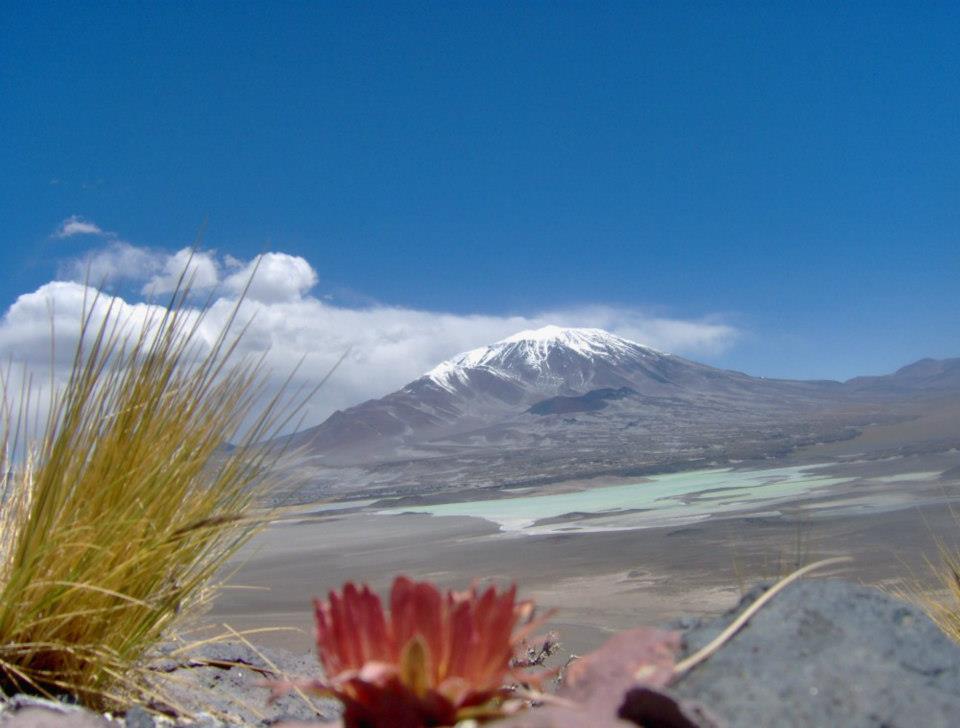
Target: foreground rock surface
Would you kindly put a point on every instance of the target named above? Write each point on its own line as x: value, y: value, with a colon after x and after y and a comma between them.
x: 822, y: 653
x: 227, y: 680
x: 221, y: 685
x: 828, y: 653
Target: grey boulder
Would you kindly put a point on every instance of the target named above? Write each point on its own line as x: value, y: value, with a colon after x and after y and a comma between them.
x: 827, y: 653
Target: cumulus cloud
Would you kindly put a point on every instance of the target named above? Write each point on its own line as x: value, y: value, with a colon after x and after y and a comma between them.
x: 76, y: 225
x: 119, y: 262
x: 57, y: 308
x: 388, y: 345
x: 279, y: 277
x: 198, y: 267
x: 115, y: 262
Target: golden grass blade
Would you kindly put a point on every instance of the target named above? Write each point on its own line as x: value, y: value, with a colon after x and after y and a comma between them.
x: 231, y: 633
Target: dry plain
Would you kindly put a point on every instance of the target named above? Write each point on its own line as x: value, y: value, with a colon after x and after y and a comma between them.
x: 897, y: 499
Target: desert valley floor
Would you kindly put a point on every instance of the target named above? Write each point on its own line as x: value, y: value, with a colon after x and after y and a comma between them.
x: 887, y: 498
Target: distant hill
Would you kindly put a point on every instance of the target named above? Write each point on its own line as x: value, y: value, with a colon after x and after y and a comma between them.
x: 926, y: 374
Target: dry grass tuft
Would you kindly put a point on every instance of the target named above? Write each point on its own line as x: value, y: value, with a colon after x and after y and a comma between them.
x: 943, y: 605
x: 117, y: 514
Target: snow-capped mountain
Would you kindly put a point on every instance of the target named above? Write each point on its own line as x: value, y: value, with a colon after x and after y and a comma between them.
x: 559, y: 403
x: 551, y: 358
x: 499, y: 384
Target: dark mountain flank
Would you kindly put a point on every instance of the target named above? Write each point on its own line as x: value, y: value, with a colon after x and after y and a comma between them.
x: 592, y: 401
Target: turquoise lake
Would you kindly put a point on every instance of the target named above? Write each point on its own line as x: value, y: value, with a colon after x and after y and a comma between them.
x: 658, y: 500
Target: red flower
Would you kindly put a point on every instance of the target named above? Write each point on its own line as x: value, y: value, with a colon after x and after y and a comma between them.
x: 438, y: 658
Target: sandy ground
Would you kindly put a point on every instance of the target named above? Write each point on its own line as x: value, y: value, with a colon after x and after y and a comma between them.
x: 602, y: 582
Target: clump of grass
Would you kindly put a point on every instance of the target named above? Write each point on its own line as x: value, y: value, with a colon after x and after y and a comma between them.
x: 943, y: 605
x: 127, y: 500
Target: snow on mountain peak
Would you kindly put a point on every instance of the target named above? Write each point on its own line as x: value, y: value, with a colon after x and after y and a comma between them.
x: 546, y: 333
x: 568, y: 336
x: 530, y: 350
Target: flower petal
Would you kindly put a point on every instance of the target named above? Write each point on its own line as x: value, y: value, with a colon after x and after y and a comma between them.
x: 415, y: 666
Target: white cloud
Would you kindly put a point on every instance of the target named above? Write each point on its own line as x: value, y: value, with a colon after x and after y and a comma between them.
x: 279, y: 277
x: 76, y: 225
x: 203, y: 272
x: 57, y: 307
x: 119, y: 261
x: 389, y: 346
x: 116, y: 261
x: 232, y: 263
x: 707, y: 336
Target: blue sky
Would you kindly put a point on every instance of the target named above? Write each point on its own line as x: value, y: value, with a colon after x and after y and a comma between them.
x: 790, y: 172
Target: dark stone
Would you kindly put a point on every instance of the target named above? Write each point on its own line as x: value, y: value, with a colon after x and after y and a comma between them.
x: 828, y: 653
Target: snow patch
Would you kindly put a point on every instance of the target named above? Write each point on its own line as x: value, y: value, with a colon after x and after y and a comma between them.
x: 531, y: 350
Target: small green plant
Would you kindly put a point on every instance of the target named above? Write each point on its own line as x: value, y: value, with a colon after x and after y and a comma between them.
x: 128, y: 498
